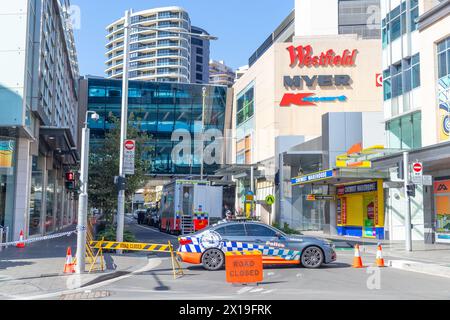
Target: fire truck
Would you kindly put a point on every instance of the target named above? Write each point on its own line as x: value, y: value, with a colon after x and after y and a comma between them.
x: 189, y: 205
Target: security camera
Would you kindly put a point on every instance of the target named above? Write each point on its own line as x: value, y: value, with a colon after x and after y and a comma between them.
x: 95, y: 116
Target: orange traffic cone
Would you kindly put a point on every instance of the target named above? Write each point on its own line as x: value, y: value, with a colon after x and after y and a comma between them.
x: 357, y: 262
x: 69, y: 266
x: 379, y: 260
x: 21, y: 244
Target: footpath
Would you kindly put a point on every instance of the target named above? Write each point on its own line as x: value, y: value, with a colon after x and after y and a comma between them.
x: 431, y: 259
x: 38, y: 268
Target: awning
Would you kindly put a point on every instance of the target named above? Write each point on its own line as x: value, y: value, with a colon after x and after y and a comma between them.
x: 237, y: 169
x: 60, y: 140
x: 339, y: 176
x: 435, y: 157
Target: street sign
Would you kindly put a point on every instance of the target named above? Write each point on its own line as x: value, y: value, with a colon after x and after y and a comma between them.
x: 270, y: 199
x: 427, y: 180
x: 129, y: 156
x: 417, y: 169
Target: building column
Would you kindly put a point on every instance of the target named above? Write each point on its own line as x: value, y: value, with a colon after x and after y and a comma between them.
x: 22, y: 188
x: 332, y: 206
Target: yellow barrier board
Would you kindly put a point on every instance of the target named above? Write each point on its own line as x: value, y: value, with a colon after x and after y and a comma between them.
x: 129, y: 246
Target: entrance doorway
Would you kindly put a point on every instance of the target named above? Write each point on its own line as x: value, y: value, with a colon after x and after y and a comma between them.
x: 369, y: 216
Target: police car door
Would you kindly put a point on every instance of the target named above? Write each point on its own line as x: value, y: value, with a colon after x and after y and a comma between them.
x: 264, y: 236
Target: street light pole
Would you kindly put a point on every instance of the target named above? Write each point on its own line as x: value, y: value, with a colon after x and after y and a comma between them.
x: 202, y: 132
x: 124, y: 111
x: 408, y: 238
x: 123, y: 129
x: 83, y: 198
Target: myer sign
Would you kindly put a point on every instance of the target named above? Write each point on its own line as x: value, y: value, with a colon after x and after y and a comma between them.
x: 302, y: 56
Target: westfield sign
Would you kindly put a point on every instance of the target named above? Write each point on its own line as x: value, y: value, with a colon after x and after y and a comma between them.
x: 302, y: 56
x: 305, y: 58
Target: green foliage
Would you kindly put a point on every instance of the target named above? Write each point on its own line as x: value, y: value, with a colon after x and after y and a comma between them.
x: 109, y: 234
x: 286, y: 229
x: 104, y: 166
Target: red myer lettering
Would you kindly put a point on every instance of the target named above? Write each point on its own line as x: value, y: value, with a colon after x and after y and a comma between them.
x: 304, y: 56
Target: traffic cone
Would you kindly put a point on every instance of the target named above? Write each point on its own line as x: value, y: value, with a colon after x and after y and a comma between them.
x: 379, y: 260
x: 69, y: 266
x: 21, y: 244
x: 357, y: 262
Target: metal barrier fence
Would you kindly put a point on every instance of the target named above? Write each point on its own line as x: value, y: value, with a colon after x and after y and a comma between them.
x: 4, y: 236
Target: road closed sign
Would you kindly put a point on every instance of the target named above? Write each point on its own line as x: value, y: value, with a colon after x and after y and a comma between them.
x: 244, y: 267
x: 129, y: 156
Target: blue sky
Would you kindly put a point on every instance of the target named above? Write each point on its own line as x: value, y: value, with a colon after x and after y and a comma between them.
x: 241, y: 25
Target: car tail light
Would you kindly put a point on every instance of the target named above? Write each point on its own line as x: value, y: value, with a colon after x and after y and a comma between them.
x: 184, y: 242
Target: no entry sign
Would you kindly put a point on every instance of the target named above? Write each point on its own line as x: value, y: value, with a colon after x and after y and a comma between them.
x: 128, y: 156
x: 417, y: 167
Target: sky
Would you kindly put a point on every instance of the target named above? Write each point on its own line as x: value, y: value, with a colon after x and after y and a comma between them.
x: 240, y: 25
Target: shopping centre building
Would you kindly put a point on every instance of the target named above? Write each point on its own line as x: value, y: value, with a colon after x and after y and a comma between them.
x: 308, y: 96
x: 321, y: 120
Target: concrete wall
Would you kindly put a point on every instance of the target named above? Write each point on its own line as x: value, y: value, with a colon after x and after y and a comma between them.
x: 268, y: 73
x: 12, y: 61
x: 316, y: 17
x: 428, y: 38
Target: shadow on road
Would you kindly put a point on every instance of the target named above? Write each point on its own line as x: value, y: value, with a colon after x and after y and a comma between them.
x: 11, y: 264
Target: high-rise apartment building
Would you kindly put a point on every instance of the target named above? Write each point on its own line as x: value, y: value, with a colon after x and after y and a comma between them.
x: 221, y: 74
x: 38, y: 116
x: 199, y: 57
x: 162, y: 53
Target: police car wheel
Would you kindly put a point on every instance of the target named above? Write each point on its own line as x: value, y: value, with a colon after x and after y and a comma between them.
x: 213, y: 259
x: 312, y: 257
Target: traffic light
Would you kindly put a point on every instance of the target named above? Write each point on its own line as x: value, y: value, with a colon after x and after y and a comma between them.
x: 70, y: 180
x: 400, y: 170
x: 120, y: 183
x: 411, y: 190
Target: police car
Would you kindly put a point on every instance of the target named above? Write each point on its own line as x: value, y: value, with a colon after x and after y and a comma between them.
x: 208, y: 246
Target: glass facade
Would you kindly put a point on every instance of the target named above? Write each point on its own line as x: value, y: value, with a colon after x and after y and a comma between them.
x: 245, y: 105
x: 35, y: 221
x: 405, y: 132
x: 443, y: 58
x: 394, y: 24
x: 7, y: 180
x: 161, y: 109
x: 401, y: 77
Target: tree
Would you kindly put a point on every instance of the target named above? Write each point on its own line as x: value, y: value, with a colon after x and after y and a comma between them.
x: 104, y: 166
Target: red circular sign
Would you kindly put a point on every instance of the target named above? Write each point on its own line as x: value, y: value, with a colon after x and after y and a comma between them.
x: 129, y: 145
x: 417, y: 167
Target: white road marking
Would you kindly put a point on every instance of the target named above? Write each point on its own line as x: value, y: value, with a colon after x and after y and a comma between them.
x: 257, y: 290
x: 268, y: 291
x: 153, y: 263
x: 150, y: 229
x: 244, y: 290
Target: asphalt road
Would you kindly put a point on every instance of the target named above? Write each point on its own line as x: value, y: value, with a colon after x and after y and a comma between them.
x: 334, y: 281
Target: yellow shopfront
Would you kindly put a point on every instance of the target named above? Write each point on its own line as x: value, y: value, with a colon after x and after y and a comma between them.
x: 360, y: 209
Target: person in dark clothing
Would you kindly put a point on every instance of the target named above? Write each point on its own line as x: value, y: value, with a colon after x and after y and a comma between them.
x: 141, y: 215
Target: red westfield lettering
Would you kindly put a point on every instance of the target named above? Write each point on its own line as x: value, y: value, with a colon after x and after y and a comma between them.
x: 297, y: 99
x: 304, y: 56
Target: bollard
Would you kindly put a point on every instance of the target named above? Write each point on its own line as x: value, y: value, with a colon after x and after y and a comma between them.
x: 1, y: 239
x: 7, y: 236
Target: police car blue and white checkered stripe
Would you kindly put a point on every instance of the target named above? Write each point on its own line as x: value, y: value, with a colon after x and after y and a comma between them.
x: 242, y: 246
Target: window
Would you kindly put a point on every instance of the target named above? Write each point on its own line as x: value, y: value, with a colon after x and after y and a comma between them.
x: 255, y: 230
x: 197, y: 42
x: 405, y: 132
x: 199, y: 59
x: 97, y: 92
x: 443, y: 51
x: 199, y: 68
x: 199, y: 51
x: 245, y: 106
x: 394, y: 25
x: 233, y: 230
x: 401, y: 77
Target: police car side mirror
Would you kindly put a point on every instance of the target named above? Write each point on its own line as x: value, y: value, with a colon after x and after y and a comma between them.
x: 279, y: 235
